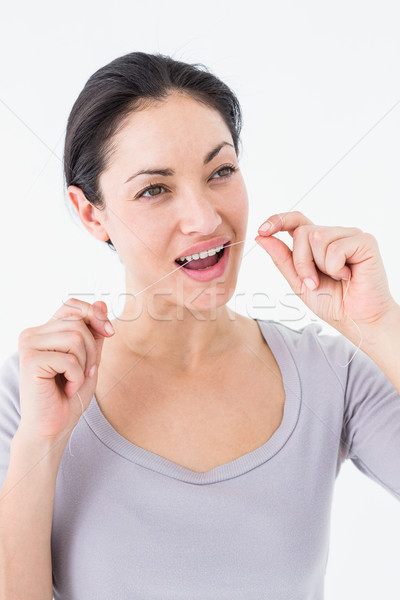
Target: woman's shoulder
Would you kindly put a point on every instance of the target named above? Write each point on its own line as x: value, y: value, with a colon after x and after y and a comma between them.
x: 10, y: 413
x: 9, y: 385
x: 9, y: 368
x: 313, y: 346
x: 296, y: 336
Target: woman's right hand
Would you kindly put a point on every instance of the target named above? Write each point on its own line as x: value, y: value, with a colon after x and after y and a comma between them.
x: 55, y: 359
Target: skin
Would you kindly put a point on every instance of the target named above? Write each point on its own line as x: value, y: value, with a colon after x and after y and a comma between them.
x: 179, y: 321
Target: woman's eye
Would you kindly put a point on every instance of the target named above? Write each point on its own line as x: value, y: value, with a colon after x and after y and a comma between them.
x: 229, y: 168
x: 150, y: 189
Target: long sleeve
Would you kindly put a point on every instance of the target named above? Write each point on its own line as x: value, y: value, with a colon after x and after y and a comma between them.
x: 9, y: 409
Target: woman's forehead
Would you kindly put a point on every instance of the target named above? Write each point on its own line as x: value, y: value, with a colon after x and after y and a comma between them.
x: 175, y: 111
x: 177, y: 129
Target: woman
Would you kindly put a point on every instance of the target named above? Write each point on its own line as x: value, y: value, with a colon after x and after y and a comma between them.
x: 205, y: 461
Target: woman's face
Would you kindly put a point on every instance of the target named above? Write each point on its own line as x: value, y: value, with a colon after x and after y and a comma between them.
x: 195, y: 203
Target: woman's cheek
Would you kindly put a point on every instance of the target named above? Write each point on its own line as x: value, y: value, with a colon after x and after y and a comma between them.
x: 240, y: 204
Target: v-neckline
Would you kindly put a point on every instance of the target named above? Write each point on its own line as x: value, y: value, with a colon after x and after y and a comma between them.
x: 103, y: 429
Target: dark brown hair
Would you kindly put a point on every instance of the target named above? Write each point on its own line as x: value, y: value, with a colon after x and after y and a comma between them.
x: 128, y: 83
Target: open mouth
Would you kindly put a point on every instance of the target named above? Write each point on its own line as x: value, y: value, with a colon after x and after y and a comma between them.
x: 202, y: 263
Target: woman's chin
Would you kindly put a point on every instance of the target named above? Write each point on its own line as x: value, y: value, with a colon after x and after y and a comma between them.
x: 210, y: 299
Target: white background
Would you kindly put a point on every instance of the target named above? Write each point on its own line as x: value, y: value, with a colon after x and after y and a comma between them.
x: 318, y: 83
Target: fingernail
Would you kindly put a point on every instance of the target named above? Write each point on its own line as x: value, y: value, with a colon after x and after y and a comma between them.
x: 265, y: 227
x: 310, y: 283
x: 259, y: 243
x: 92, y: 371
x: 109, y: 328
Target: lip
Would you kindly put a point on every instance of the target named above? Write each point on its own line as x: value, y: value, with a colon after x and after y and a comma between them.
x: 207, y: 245
x: 213, y: 272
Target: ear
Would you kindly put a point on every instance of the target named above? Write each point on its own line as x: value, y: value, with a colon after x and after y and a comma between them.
x: 88, y: 213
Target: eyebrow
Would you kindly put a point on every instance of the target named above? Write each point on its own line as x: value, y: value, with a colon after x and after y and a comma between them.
x: 165, y: 172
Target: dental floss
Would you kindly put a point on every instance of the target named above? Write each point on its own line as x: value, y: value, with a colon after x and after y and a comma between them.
x: 361, y: 338
x: 241, y: 242
x: 180, y: 266
x: 77, y: 393
x: 69, y: 441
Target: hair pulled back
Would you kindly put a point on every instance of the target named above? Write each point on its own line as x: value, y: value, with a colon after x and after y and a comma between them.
x: 128, y: 83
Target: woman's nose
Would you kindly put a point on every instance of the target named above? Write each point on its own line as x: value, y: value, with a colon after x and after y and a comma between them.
x: 197, y: 212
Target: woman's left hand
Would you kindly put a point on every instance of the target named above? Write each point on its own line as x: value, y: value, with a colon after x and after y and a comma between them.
x: 328, y: 256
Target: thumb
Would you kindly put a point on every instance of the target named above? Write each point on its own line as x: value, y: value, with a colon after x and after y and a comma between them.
x: 101, y: 305
x: 99, y: 338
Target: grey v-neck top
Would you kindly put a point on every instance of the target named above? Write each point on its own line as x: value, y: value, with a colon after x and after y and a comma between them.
x: 130, y: 524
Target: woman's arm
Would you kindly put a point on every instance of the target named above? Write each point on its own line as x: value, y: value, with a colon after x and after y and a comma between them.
x: 349, y: 287
x: 382, y: 343
x: 26, y: 513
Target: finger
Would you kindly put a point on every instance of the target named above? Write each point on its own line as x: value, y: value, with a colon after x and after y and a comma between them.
x: 353, y: 249
x: 102, y: 305
x: 78, y: 341
x: 303, y: 258
x: 286, y: 221
x: 91, y: 314
x: 67, y: 364
x: 310, y: 243
x: 320, y: 238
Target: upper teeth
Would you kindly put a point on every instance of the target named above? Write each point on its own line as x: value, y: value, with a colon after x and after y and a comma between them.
x: 202, y: 254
